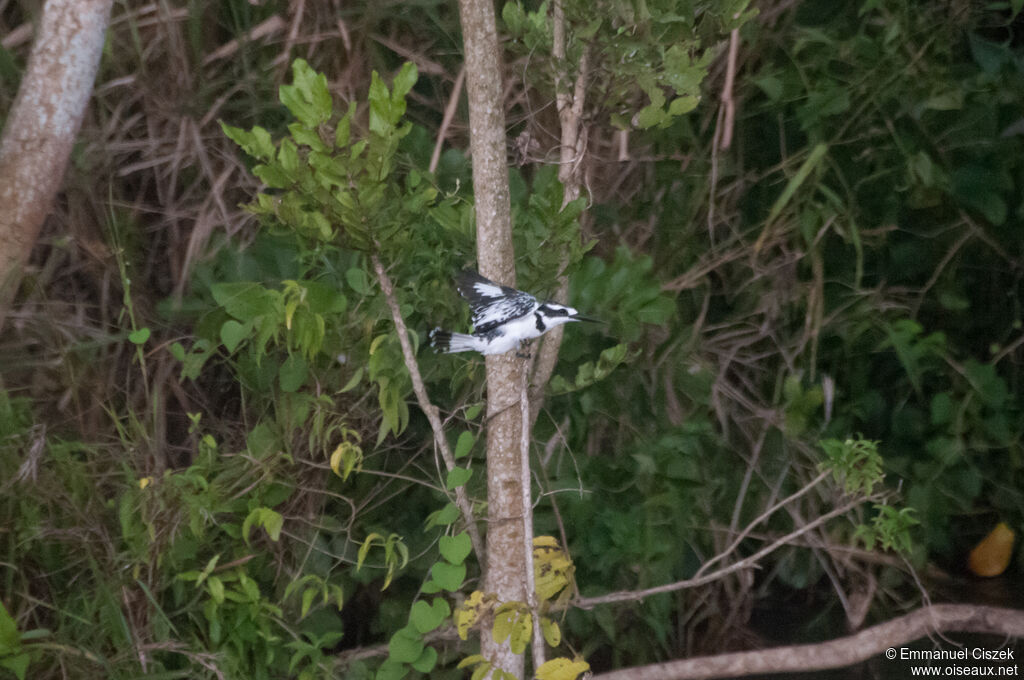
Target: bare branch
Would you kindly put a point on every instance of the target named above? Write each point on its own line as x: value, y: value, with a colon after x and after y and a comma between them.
x: 449, y: 114
x: 764, y: 515
x: 461, y: 500
x: 964, y: 618
x: 746, y: 563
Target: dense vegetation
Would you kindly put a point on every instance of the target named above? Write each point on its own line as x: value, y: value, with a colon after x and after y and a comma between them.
x: 211, y: 463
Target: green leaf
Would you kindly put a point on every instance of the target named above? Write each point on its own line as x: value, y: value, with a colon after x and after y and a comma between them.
x: 356, y: 278
x: 342, y: 134
x: 293, y: 373
x: 456, y: 548
x: 514, y: 17
x: 381, y: 116
x: 681, y: 105
x: 942, y: 409
x: 256, y: 143
x: 274, y: 176
x: 307, y: 98
x: 232, y: 333
x: 403, y: 82
x: 140, y: 336
x: 244, y: 300
x: 771, y: 86
x: 449, y: 576
x: 354, y: 380
x: 307, y: 601
x: 271, y: 521
x: 457, y: 477
x: 391, y: 670
x: 216, y: 588
x: 442, y: 517
x: 463, y: 446
x: 17, y: 664
x: 812, y: 161
x: 10, y: 639
x: 427, y: 660
x: 177, y: 351
x: 427, y: 617
x: 405, y: 645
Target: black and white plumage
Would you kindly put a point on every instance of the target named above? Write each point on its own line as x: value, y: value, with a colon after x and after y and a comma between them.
x: 503, y: 318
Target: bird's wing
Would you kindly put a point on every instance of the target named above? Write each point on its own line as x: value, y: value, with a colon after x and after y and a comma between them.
x: 492, y: 304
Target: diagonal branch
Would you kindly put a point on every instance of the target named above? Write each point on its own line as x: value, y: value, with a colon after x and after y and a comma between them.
x: 846, y: 651
x: 461, y: 500
x: 746, y: 563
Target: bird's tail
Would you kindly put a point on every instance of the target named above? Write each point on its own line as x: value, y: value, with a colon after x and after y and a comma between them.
x: 449, y: 343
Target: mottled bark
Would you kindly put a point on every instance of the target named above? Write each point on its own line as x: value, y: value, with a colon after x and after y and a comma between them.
x: 506, y: 562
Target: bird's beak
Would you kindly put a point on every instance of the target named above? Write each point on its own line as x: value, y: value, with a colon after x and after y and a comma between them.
x: 586, y: 318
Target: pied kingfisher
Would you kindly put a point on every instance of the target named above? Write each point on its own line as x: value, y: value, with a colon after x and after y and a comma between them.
x: 503, y: 317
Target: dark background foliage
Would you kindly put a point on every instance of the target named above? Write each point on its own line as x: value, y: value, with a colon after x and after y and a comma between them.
x: 851, y: 265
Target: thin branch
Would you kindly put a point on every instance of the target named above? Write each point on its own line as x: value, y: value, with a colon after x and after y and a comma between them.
x: 449, y: 114
x: 764, y: 515
x: 844, y: 651
x: 461, y: 500
x: 531, y: 587
x: 746, y: 563
x: 727, y: 90
x: 571, y: 150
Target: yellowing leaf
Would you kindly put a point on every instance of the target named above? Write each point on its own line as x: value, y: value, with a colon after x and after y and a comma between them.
x: 513, y: 622
x: 522, y: 631
x: 553, y: 568
x: 562, y: 669
x: 542, y: 542
x: 992, y: 555
x: 552, y: 633
x: 469, y: 612
x: 346, y: 459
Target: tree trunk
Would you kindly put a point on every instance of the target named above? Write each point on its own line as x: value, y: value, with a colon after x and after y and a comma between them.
x: 42, y: 126
x: 506, y: 561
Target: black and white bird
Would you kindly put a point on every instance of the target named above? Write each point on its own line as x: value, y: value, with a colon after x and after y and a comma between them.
x: 503, y: 318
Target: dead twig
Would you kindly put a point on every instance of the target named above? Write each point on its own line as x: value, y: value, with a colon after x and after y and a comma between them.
x: 461, y: 500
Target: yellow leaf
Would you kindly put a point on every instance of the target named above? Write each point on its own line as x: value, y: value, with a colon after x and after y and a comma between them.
x: 348, y: 457
x: 522, y: 631
x: 481, y: 671
x: 552, y: 633
x: 145, y: 481
x: 469, y: 612
x: 552, y: 566
x: 562, y: 669
x: 542, y: 542
x: 992, y: 555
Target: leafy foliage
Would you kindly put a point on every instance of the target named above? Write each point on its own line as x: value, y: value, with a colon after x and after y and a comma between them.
x: 849, y: 264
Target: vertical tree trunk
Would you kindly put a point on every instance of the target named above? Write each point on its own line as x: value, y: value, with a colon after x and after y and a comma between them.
x: 506, y: 561
x: 43, y: 124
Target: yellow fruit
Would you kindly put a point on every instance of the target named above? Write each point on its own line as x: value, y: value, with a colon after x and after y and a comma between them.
x: 991, y: 556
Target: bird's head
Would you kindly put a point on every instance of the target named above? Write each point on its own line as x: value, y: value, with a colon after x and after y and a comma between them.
x: 557, y: 314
